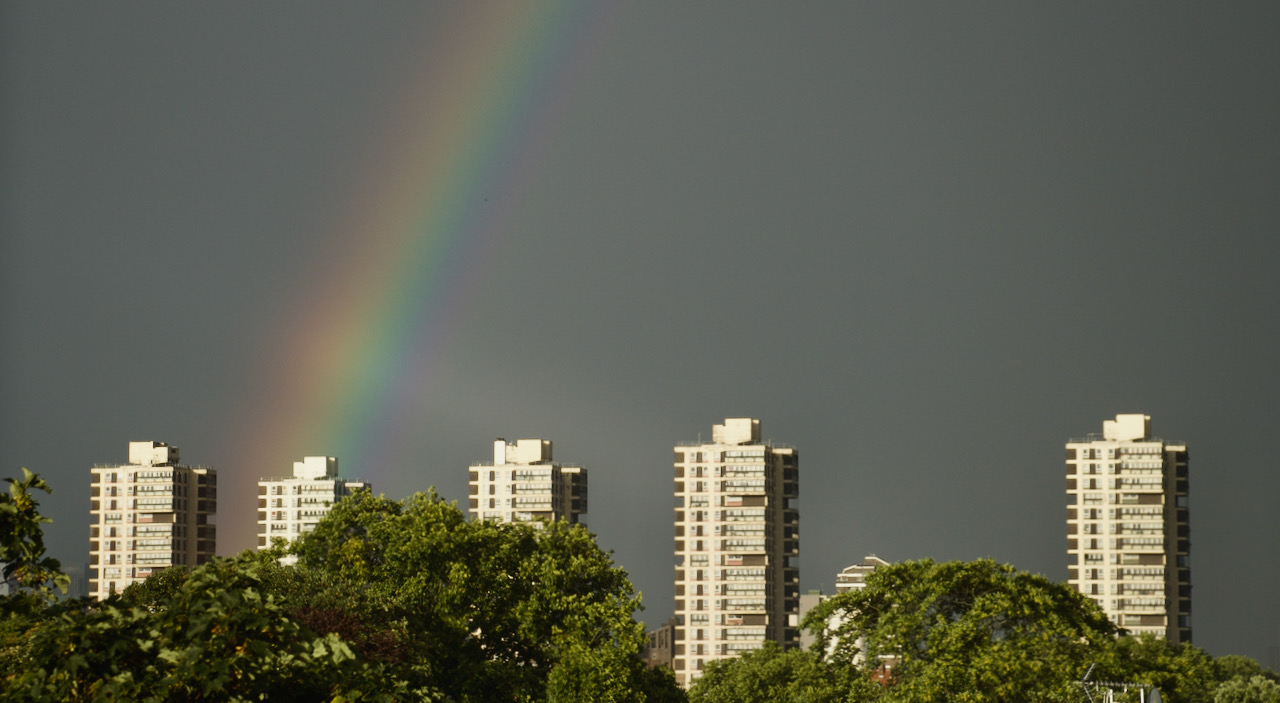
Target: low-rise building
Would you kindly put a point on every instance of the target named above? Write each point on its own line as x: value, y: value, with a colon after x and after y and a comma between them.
x: 660, y: 645
x: 851, y: 578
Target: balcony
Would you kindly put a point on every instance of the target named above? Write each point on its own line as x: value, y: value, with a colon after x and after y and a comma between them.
x: 744, y: 605
x: 742, y: 486
x: 742, y: 545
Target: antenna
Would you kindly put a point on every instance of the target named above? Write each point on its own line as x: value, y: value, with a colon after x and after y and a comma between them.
x: 1084, y: 682
x: 1146, y: 692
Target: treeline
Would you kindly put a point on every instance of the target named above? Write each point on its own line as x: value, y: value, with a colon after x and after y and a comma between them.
x: 977, y: 632
x: 388, y: 601
x: 410, y: 601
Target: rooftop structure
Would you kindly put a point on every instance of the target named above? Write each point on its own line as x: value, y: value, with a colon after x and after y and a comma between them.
x: 524, y: 484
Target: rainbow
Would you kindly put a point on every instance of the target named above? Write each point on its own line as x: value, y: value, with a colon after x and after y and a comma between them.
x: 460, y: 149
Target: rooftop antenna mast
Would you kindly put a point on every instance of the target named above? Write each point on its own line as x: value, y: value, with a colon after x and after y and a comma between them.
x: 1107, y: 689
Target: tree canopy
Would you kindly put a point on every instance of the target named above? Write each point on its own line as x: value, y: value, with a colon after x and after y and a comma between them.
x: 410, y: 601
x: 1253, y: 689
x: 966, y: 631
x: 772, y: 675
x: 22, y: 537
x: 511, y: 608
x: 220, y: 636
x: 388, y: 601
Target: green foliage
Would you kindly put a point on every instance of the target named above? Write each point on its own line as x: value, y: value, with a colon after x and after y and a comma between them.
x: 22, y: 538
x: 27, y: 571
x: 1234, y: 666
x: 770, y: 674
x: 157, y: 590
x: 1183, y: 673
x: 389, y: 601
x: 15, y: 640
x: 659, y: 686
x: 966, y: 631
x: 1253, y: 689
x: 219, y: 637
x: 409, y: 601
x: 496, y: 611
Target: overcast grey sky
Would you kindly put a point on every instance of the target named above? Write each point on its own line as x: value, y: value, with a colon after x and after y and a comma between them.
x: 925, y: 243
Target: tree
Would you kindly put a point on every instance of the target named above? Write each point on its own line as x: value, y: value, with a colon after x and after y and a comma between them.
x: 1235, y: 666
x: 219, y: 637
x: 1255, y: 689
x: 404, y: 601
x: 769, y: 675
x: 965, y: 631
x: 26, y: 570
x: 1183, y: 672
x: 491, y: 611
x: 22, y: 538
x: 157, y: 590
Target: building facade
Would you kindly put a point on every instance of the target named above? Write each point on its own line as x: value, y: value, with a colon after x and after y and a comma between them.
x: 524, y: 484
x: 850, y: 578
x: 809, y: 601
x: 1128, y: 534
x: 737, y: 538
x: 660, y: 644
x: 854, y: 576
x: 291, y: 506
x: 147, y: 515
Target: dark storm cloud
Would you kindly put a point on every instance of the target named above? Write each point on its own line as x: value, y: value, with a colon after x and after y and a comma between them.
x: 925, y: 244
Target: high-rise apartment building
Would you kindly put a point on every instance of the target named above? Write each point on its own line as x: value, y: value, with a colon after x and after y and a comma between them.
x: 290, y: 507
x: 736, y: 546
x: 148, y: 515
x: 1128, y: 536
x: 523, y: 484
